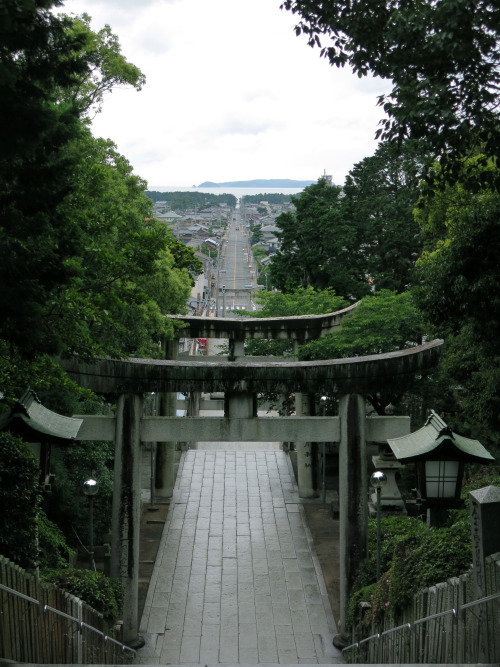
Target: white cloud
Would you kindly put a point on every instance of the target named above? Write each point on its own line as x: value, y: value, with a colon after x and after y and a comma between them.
x: 231, y: 94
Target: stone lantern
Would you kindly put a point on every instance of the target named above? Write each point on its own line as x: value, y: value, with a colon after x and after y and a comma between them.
x: 439, y: 456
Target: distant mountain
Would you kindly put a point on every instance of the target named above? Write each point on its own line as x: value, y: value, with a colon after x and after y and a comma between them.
x: 259, y: 183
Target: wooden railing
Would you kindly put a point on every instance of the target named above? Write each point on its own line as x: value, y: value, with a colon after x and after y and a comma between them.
x: 445, y: 624
x: 40, y: 623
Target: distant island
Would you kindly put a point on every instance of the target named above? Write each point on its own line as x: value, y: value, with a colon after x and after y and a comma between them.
x: 259, y: 183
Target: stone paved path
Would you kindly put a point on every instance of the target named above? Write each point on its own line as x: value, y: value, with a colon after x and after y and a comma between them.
x: 236, y: 580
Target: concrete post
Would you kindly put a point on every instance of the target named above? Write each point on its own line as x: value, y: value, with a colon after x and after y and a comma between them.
x: 165, y: 451
x: 485, y: 527
x: 353, y: 489
x: 126, y: 515
x: 283, y: 400
x: 242, y: 405
x: 193, y: 410
x: 236, y: 349
x: 304, y: 453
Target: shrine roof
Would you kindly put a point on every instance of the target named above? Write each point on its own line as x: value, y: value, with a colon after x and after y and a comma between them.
x: 435, y: 439
x: 33, y: 422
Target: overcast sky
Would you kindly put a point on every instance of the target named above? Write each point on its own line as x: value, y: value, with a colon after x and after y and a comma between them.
x: 231, y: 94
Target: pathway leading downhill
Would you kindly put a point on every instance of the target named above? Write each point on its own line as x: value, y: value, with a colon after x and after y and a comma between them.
x: 236, y: 579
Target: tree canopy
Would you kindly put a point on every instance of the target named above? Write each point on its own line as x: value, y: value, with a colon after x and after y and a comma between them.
x: 443, y: 60
x: 84, y: 267
x: 379, y: 196
x: 106, y: 67
x: 318, y: 245
x: 382, y: 322
x: 357, y: 238
x: 458, y: 293
x: 270, y: 197
x: 36, y: 172
x: 180, y: 201
x: 301, y: 301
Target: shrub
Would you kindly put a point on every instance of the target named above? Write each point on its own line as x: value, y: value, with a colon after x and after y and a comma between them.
x: 393, y: 529
x: 413, y: 556
x: 354, y: 614
x: 435, y: 556
x: 95, y: 588
x: 381, y: 597
x: 19, y: 496
x: 54, y: 550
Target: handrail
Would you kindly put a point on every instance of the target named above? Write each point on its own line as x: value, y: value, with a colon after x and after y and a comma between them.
x: 81, y: 624
x: 409, y: 626
x: 20, y: 595
x: 438, y: 615
x: 405, y: 626
x: 475, y: 602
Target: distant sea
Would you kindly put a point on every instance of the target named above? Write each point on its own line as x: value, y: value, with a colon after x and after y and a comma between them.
x: 237, y: 192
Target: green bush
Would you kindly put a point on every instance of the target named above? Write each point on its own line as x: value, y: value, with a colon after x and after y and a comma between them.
x: 95, y: 588
x: 413, y: 556
x: 20, y: 499
x: 393, y: 529
x: 428, y: 559
x: 354, y: 614
x: 54, y: 550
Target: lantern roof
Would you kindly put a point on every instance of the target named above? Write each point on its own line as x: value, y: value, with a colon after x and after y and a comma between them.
x: 33, y: 422
x: 435, y: 440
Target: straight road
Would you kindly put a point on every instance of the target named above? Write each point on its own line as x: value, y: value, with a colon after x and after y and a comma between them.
x: 238, y: 270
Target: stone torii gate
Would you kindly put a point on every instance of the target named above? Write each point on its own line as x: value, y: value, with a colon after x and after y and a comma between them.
x: 242, y: 379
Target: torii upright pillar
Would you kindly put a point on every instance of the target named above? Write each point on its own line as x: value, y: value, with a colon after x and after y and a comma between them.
x: 165, y: 451
x: 304, y: 453
x: 353, y: 486
x: 126, y: 516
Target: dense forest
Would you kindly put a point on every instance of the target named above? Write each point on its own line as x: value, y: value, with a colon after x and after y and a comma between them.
x: 421, y: 216
x: 272, y: 198
x: 180, y: 201
x: 84, y: 267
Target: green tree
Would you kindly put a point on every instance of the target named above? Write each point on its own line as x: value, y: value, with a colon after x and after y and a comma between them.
x: 40, y: 373
x: 106, y: 67
x: 442, y: 58
x: 302, y: 301
x: 318, y: 245
x: 271, y: 198
x: 105, y: 308
x: 380, y: 193
x: 382, y: 322
x: 458, y: 293
x: 80, y: 254
x: 39, y: 57
x: 256, y: 234
x: 48, y: 81
x: 185, y: 257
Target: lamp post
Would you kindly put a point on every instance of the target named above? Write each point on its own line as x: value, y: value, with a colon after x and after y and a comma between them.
x: 323, y: 400
x: 378, y: 480
x: 90, y: 488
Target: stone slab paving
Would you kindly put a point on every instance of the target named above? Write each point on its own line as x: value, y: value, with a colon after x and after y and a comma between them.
x: 236, y: 580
